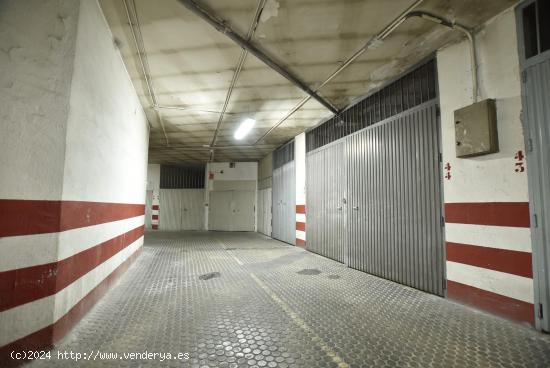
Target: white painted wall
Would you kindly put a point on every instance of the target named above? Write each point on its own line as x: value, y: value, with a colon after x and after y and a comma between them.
x: 37, y: 39
x: 491, y: 177
x: 241, y: 171
x: 153, y: 177
x: 37, y: 43
x: 107, y: 132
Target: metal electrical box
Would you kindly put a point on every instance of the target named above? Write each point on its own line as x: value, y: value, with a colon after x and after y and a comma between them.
x: 476, y: 131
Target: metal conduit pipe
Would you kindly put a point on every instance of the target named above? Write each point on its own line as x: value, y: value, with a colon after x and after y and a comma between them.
x: 144, y: 69
x: 195, y: 148
x: 190, y: 109
x: 240, y: 64
x: 469, y: 34
x: 374, y: 41
x: 220, y: 26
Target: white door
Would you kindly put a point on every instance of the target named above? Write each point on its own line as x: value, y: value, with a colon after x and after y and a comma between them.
x: 170, y: 210
x: 231, y: 210
x: 243, y: 210
x: 192, y: 207
x: 220, y: 212
x: 264, y: 211
x: 181, y: 209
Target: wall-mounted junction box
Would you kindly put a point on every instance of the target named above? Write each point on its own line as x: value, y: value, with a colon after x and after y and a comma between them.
x: 476, y: 131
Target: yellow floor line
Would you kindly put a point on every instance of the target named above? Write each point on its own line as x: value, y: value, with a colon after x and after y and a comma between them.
x: 302, y: 324
x: 222, y: 244
x: 293, y: 316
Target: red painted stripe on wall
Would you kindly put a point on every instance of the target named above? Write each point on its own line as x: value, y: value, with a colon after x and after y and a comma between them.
x: 301, y: 208
x: 155, y: 226
x: 513, y: 214
x: 300, y: 243
x: 27, y: 217
x: 155, y: 217
x: 503, y: 260
x: 300, y: 226
x: 491, y: 302
x: 25, y: 285
x: 155, y: 207
x: 46, y: 337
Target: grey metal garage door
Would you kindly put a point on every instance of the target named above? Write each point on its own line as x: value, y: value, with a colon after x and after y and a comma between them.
x: 373, y: 184
x: 284, y: 203
x: 326, y: 201
x: 394, y: 211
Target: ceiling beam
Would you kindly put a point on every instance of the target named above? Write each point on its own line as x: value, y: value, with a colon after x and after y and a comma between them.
x: 227, y: 31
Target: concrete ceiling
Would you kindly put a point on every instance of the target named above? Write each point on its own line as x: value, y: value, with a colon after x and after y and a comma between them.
x: 191, y: 65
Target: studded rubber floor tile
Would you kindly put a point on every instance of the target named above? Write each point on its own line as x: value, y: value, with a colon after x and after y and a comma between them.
x: 245, y: 300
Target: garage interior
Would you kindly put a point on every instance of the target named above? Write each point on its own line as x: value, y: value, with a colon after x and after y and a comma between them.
x: 275, y: 183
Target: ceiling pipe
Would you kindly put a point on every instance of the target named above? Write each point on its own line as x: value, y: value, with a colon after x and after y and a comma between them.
x: 208, y: 148
x: 189, y: 109
x: 240, y: 64
x: 373, y: 42
x: 223, y: 28
x: 469, y: 34
x: 144, y: 64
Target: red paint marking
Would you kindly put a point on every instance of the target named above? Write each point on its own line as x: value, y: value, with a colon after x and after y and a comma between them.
x: 155, y: 207
x: 211, y: 175
x: 48, y: 336
x: 27, y: 217
x: 448, y: 171
x: 155, y: 217
x: 301, y: 226
x: 155, y: 226
x: 25, y: 285
x: 513, y: 214
x: 500, y: 305
x: 301, y: 208
x: 519, y: 156
x: 300, y: 243
x: 503, y: 260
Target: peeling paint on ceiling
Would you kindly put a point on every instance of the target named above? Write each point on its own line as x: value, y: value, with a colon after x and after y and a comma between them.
x: 271, y: 9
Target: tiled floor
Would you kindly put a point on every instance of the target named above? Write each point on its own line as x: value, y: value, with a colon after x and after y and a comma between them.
x: 244, y: 300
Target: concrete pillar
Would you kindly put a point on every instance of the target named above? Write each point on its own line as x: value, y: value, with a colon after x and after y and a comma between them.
x: 300, y: 164
x: 72, y: 168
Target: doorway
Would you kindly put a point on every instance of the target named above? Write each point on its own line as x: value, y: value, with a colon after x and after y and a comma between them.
x: 534, y: 54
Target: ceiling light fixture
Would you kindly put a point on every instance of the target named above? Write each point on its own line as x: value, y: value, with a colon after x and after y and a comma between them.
x: 244, y: 128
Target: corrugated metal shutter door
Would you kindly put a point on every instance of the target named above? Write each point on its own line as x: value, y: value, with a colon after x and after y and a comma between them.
x: 284, y: 203
x: 537, y: 108
x: 391, y: 224
x: 192, y: 203
x: 264, y: 211
x: 394, y: 208
x: 326, y: 196
x: 181, y: 209
x: 170, y: 205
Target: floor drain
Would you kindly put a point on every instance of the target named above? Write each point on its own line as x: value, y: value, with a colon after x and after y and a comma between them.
x: 208, y: 276
x: 309, y: 271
